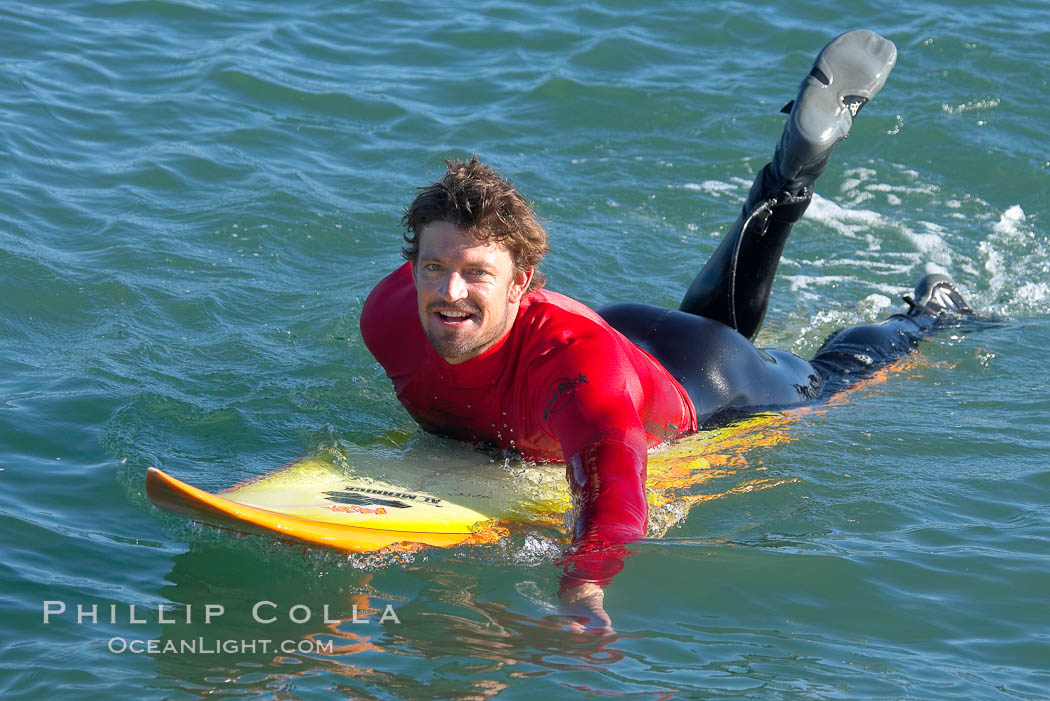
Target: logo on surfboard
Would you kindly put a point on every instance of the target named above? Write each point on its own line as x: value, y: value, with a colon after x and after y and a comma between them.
x: 363, y: 496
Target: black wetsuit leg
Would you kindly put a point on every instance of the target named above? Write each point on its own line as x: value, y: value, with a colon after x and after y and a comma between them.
x: 734, y: 286
x: 724, y: 373
x: 857, y: 351
x: 705, y: 345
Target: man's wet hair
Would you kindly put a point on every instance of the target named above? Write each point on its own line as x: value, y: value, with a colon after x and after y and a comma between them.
x: 482, y: 203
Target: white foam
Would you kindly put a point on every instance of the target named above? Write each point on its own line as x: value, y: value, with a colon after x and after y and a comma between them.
x: 1008, y: 223
x: 536, y: 551
x: 1015, y: 259
x: 873, y: 304
x: 902, y: 189
x: 881, y: 265
x: 861, y: 173
x: 713, y: 187
x: 1032, y: 293
x: 992, y: 258
x: 849, y: 222
x: 802, y: 283
x: 1007, y: 273
x: 930, y: 244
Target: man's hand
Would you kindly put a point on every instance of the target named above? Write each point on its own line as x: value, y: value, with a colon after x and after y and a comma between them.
x: 586, y: 600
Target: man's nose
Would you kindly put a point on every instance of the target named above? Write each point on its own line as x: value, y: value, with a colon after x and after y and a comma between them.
x: 455, y: 287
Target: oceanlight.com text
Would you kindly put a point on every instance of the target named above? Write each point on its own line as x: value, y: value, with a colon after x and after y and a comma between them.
x: 205, y: 646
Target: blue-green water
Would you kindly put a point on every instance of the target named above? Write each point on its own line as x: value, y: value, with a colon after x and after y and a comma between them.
x: 198, y: 196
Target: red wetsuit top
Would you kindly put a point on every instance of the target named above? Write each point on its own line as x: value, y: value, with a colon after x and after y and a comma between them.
x: 561, y: 385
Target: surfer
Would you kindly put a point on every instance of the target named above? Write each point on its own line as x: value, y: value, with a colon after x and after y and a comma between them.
x: 477, y: 350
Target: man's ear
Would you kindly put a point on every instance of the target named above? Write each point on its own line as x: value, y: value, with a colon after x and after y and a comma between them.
x: 522, y: 279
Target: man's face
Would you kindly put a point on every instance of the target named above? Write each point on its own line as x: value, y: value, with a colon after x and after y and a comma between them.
x: 468, y: 292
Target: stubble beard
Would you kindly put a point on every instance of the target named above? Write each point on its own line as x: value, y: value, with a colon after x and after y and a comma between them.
x: 452, y: 345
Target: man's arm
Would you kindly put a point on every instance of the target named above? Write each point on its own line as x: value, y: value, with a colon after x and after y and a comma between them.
x: 607, y: 480
x: 596, y: 418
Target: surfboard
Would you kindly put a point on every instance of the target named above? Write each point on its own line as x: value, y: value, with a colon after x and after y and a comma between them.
x: 317, y: 501
x: 355, y: 506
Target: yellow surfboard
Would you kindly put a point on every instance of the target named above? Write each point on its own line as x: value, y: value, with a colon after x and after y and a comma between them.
x: 320, y: 502
x: 393, y: 503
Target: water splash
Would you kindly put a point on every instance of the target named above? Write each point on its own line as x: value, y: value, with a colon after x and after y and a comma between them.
x: 1014, y: 258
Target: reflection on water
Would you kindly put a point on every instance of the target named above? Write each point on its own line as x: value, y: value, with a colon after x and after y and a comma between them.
x: 283, y: 622
x: 293, y: 616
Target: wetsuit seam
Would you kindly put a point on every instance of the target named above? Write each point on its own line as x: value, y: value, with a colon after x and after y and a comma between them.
x: 767, y: 205
x: 733, y: 268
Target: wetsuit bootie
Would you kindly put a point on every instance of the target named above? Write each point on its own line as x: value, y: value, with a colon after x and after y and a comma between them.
x: 937, y: 297
x: 847, y: 73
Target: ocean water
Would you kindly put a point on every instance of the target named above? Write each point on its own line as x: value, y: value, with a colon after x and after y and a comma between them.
x: 197, y: 197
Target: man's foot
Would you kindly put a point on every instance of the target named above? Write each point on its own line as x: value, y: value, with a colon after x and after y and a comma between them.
x: 937, y: 296
x: 846, y: 74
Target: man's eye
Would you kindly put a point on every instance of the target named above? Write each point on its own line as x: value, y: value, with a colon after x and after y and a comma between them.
x: 478, y: 272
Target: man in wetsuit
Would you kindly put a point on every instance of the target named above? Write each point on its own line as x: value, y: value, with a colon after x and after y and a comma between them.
x: 478, y: 351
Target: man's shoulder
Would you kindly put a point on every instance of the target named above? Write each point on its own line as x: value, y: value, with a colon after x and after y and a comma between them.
x: 554, y: 319
x: 390, y: 309
x: 559, y: 307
